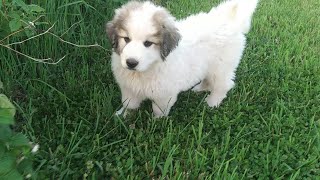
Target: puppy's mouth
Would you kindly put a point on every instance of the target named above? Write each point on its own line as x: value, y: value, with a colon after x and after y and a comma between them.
x: 131, y: 69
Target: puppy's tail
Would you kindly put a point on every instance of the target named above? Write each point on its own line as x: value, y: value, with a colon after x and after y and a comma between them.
x: 236, y: 12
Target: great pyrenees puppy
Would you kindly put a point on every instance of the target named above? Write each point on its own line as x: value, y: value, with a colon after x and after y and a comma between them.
x: 156, y: 57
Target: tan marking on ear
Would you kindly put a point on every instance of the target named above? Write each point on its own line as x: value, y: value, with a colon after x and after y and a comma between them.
x: 117, y: 27
x: 122, y: 33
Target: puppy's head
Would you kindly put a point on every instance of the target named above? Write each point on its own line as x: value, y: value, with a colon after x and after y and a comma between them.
x: 142, y: 34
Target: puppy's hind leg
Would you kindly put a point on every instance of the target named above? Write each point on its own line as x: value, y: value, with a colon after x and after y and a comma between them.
x: 220, y: 84
x: 161, y: 106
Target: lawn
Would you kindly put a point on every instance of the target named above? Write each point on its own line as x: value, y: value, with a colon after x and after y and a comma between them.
x: 268, y: 127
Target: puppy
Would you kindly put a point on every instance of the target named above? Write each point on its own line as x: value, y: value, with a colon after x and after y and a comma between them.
x: 156, y: 57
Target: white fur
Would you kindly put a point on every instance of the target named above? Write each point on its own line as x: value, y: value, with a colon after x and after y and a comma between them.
x: 210, y: 49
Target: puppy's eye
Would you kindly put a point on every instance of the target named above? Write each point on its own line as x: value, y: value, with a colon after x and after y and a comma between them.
x: 126, y: 39
x: 147, y: 43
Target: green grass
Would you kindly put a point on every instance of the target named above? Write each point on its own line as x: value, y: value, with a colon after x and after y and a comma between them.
x: 267, y: 128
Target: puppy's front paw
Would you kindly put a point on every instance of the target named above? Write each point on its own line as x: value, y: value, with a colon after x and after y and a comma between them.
x: 122, y: 112
x: 158, y: 115
x: 214, y: 101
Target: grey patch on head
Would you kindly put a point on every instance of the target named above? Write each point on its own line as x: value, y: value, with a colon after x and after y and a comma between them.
x: 119, y: 22
x: 112, y: 35
x: 168, y: 34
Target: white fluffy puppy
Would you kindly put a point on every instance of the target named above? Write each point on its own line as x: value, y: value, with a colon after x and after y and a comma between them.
x: 156, y: 57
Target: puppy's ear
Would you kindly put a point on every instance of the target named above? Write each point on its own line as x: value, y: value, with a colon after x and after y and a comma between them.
x: 170, y: 35
x: 170, y: 40
x: 112, y: 34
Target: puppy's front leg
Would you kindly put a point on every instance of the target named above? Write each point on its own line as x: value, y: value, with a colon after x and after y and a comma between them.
x: 130, y: 100
x: 161, y: 106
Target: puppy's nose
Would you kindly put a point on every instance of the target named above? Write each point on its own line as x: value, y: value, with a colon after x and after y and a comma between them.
x: 132, y: 63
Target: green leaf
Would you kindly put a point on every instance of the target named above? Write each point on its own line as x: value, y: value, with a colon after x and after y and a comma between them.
x: 6, y: 164
x: 4, y: 26
x: 5, y: 132
x: 2, y: 150
x: 5, y: 103
x: 15, y: 25
x: 20, y: 3
x: 12, y: 175
x: 0, y: 5
x: 25, y: 166
x: 6, y: 117
x: 35, y: 8
x: 7, y: 110
x: 29, y: 32
x: 19, y: 140
x: 15, y: 14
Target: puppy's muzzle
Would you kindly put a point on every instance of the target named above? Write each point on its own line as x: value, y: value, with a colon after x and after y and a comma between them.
x: 131, y: 63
